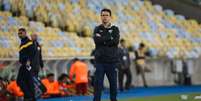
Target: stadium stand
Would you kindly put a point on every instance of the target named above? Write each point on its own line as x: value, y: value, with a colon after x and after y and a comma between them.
x: 166, y: 33
x: 55, y: 42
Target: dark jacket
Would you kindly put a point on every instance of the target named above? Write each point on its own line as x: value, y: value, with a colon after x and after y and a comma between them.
x: 92, y: 60
x: 31, y: 51
x: 106, y: 50
x: 26, y: 51
x: 37, y: 59
x: 124, y: 58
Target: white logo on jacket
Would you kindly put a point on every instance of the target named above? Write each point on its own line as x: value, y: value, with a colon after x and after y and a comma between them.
x: 110, y: 31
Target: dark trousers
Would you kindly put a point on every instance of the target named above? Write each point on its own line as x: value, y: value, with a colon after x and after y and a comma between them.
x: 124, y: 72
x: 25, y: 82
x: 111, y: 73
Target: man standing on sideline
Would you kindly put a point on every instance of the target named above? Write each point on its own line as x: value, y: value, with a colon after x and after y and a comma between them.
x: 26, y: 54
x: 140, y: 54
x: 124, y: 68
x: 106, y: 38
x: 38, y: 62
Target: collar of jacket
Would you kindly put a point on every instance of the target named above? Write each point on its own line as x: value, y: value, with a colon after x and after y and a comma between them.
x: 24, y: 40
x: 110, y: 25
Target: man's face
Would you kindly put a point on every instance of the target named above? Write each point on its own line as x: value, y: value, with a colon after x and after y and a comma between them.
x: 105, y: 17
x: 34, y: 37
x: 123, y: 44
x: 21, y: 34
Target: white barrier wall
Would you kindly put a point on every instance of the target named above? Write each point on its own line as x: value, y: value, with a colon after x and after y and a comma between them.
x: 161, y: 70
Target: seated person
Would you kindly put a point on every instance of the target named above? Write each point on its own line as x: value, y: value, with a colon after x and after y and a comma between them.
x: 65, y: 87
x: 14, y: 89
x: 52, y: 86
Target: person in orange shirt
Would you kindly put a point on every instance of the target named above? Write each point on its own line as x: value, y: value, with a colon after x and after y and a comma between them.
x: 52, y: 86
x: 80, y: 70
x: 14, y: 89
x: 65, y: 87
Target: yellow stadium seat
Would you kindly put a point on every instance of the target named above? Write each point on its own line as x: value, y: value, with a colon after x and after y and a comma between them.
x: 79, y: 22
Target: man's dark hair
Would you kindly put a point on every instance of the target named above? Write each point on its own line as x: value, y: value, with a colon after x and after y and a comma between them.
x: 50, y: 74
x: 75, y: 59
x: 106, y: 10
x: 22, y: 29
x: 62, y: 76
x: 142, y: 45
x: 122, y: 41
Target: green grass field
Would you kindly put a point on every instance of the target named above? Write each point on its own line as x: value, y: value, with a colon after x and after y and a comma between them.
x: 165, y: 98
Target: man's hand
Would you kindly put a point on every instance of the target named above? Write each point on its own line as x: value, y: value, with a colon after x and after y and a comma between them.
x: 98, y: 35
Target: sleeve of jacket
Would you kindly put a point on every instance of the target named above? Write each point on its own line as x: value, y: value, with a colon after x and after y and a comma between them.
x: 30, y: 51
x: 41, y: 58
x: 136, y: 54
x: 27, y: 52
x: 120, y: 53
x: 129, y: 60
x: 114, y: 39
x: 99, y: 40
x: 92, y: 54
x: 23, y: 58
